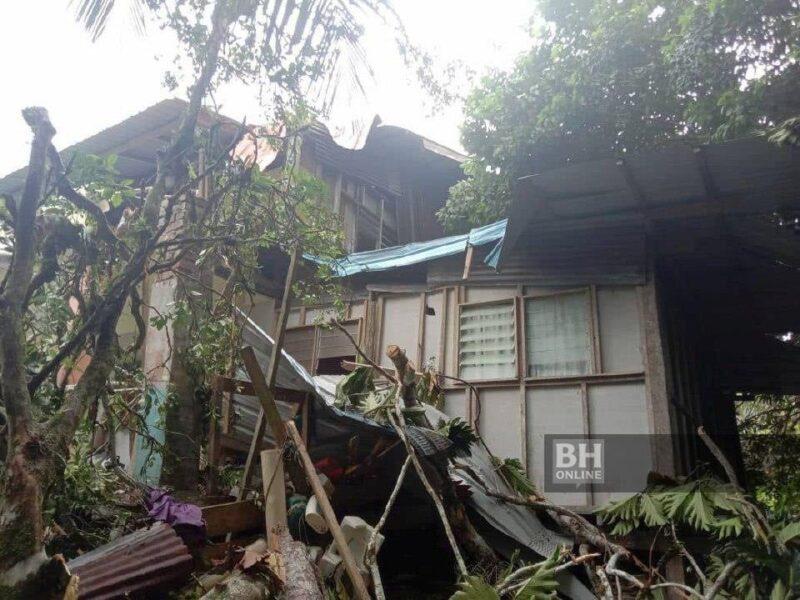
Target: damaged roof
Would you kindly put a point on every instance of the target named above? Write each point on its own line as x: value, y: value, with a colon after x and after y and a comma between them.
x: 414, y: 253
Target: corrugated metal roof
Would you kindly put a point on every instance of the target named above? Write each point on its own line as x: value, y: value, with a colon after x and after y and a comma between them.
x: 368, y: 162
x: 139, y: 136
x: 147, y: 560
x: 764, y: 175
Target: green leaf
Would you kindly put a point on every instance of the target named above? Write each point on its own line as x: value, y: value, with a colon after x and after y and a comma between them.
x: 513, y: 471
x: 779, y: 591
x: 542, y: 585
x: 675, y: 499
x: 699, y: 511
x: 790, y: 532
x: 355, y: 387
x: 460, y: 433
x: 652, y: 511
x: 475, y: 588
x: 729, y: 528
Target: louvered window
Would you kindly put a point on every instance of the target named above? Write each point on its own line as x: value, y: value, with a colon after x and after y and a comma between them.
x: 487, y: 342
x: 557, y: 340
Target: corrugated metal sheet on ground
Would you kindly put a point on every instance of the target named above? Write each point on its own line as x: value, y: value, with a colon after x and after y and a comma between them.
x: 146, y: 560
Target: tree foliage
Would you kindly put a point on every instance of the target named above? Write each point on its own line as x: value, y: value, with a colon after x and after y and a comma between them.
x: 770, y: 436
x: 604, y: 77
x: 758, y: 548
x: 85, y: 243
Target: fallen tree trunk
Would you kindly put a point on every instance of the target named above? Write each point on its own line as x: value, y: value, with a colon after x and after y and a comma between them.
x: 302, y: 582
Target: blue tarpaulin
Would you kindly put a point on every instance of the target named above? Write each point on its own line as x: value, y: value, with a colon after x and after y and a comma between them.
x: 414, y: 253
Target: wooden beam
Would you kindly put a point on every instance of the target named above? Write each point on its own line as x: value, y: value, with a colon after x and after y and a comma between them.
x: 442, y: 350
x: 337, y: 195
x: 264, y: 386
x: 519, y: 322
x: 350, y: 565
x: 656, y: 378
x: 594, y: 314
x: 584, y: 390
x: 269, y: 409
x: 274, y: 495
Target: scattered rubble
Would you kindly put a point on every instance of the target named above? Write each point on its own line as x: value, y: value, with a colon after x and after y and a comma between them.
x: 380, y: 492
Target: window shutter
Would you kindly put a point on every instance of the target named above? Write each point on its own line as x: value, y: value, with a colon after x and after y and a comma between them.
x: 487, y: 342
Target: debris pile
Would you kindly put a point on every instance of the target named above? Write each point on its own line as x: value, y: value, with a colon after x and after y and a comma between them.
x: 377, y: 494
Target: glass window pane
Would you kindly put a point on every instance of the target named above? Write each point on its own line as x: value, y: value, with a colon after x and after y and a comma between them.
x: 557, y: 335
x: 487, y: 342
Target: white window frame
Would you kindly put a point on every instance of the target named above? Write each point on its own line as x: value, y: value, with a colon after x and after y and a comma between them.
x: 593, y: 340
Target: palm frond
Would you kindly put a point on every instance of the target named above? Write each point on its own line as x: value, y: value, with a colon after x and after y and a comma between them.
x: 94, y: 14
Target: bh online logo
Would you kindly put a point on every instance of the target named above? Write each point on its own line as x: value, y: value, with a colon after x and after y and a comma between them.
x: 578, y: 461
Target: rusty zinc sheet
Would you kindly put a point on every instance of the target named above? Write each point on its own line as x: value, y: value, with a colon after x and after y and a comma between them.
x: 149, y: 559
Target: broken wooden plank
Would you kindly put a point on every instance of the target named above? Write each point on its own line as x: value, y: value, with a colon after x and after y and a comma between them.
x: 350, y: 565
x: 232, y: 517
x: 468, y: 262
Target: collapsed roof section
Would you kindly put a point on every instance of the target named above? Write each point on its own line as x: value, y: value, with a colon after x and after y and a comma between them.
x: 332, y: 425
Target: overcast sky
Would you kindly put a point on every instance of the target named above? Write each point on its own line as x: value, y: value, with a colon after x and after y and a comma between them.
x: 49, y: 61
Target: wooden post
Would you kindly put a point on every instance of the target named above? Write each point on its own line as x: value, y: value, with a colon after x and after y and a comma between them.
x: 350, y: 566
x: 468, y: 261
x: 264, y: 386
x: 379, y: 243
x: 337, y: 195
x: 423, y: 304
x: 274, y: 494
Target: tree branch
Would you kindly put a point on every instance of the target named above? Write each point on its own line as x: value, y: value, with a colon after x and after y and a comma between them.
x: 13, y: 384
x: 81, y: 202
x: 63, y: 236
x: 719, y: 455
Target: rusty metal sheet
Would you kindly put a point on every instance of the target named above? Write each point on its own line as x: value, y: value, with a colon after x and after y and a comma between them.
x: 147, y: 560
